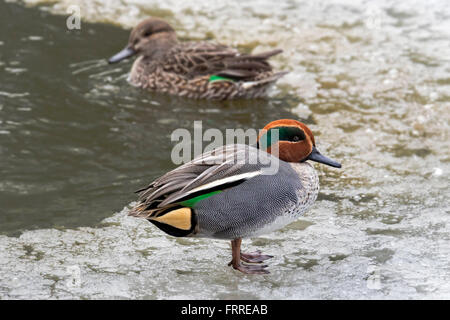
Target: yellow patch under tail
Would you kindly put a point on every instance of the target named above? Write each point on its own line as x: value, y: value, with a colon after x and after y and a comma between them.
x: 179, y: 218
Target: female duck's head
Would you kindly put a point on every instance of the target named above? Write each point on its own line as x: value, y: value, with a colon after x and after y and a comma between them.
x: 291, y: 141
x: 148, y: 38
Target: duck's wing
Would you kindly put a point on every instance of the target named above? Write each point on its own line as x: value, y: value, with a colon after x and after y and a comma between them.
x: 213, y: 171
x: 196, y: 59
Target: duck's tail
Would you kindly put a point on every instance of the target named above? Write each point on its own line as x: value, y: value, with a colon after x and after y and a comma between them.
x: 267, y: 54
x: 248, y: 85
x: 138, y: 211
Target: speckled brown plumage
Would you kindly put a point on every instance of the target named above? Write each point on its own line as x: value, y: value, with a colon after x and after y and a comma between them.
x: 185, y: 68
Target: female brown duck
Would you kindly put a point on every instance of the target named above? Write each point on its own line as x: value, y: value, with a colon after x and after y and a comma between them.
x: 194, y: 69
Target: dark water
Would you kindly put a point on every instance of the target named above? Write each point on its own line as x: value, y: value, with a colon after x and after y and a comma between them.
x: 77, y: 140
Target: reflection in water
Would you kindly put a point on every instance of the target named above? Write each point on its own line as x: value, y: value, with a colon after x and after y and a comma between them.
x: 372, y: 81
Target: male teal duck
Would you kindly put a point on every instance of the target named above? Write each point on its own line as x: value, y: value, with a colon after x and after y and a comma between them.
x: 227, y: 193
x: 200, y: 70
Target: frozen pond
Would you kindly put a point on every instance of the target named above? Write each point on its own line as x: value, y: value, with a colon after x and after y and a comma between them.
x: 371, y: 79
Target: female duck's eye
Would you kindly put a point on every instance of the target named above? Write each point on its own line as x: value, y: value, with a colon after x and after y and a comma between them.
x: 147, y: 33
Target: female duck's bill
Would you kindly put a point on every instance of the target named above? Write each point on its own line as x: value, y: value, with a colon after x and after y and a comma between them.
x: 125, y: 53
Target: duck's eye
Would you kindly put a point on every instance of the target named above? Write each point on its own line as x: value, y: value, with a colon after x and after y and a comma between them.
x: 147, y: 33
x: 296, y: 138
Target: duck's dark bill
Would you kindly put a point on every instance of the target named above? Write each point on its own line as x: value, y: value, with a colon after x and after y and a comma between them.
x: 125, y: 53
x: 318, y: 157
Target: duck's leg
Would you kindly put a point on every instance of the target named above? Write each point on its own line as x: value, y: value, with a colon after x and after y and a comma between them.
x: 254, y: 257
x: 238, y: 265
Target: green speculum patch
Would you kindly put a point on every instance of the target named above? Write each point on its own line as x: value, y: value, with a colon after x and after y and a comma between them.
x: 192, y: 201
x: 215, y: 78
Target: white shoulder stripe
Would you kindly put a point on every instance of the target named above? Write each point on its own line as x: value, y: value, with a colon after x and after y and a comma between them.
x: 226, y: 180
